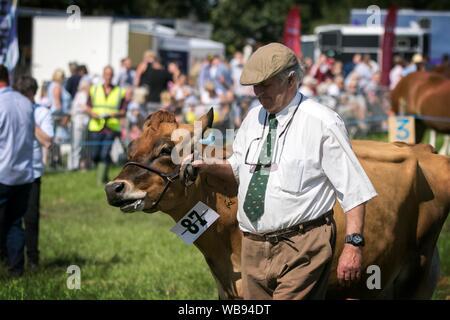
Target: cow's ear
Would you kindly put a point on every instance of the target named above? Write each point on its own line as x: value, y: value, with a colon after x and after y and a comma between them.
x: 207, y: 120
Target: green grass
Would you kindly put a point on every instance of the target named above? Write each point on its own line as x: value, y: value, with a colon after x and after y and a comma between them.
x: 122, y: 256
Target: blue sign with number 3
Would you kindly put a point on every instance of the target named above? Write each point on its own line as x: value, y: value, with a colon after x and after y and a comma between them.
x: 402, y: 129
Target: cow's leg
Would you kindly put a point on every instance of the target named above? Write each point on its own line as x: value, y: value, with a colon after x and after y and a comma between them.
x: 420, y: 130
x: 418, y: 281
x: 445, y: 150
x: 429, y: 278
x: 433, y: 138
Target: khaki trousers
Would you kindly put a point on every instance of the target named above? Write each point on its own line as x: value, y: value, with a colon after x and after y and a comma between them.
x: 292, y: 269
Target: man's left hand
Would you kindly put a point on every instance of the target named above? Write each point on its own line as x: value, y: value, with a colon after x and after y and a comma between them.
x: 349, y: 266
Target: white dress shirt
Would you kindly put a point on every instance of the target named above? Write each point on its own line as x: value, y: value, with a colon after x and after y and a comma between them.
x: 313, y: 164
x: 43, y: 119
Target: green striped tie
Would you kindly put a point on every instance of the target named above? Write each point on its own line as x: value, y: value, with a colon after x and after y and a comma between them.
x: 256, y: 192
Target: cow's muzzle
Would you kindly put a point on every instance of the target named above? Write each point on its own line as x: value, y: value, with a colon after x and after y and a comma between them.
x: 119, y: 195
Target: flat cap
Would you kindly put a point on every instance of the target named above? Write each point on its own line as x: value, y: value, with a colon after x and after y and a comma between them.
x: 266, y: 62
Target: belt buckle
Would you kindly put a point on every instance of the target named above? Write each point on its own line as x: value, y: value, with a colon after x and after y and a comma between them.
x: 273, y: 239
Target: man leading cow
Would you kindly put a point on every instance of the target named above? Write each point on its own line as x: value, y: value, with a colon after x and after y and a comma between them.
x: 292, y: 158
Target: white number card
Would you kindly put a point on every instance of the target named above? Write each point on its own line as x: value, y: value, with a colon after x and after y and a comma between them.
x: 195, y: 222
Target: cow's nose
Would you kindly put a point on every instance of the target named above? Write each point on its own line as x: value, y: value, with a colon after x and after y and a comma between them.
x: 115, y: 187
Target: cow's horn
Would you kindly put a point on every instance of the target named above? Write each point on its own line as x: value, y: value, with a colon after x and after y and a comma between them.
x: 207, y: 120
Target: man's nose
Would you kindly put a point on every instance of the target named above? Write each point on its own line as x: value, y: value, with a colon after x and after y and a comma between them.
x: 257, y: 90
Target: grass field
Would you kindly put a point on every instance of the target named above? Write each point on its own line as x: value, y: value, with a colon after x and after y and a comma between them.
x: 121, y: 256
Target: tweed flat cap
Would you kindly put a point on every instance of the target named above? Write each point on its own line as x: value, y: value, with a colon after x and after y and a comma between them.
x: 266, y: 62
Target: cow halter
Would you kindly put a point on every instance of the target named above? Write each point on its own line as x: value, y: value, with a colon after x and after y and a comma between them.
x: 167, y: 177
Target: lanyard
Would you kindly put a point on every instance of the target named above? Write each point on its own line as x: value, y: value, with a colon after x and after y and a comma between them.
x: 284, y: 132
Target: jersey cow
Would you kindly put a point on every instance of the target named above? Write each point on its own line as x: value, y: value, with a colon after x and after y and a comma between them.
x: 402, y: 224
x: 426, y: 95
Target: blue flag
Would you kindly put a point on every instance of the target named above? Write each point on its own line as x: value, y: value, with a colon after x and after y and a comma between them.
x: 9, y: 47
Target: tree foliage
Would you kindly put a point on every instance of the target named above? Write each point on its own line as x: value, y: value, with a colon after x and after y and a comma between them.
x: 235, y: 21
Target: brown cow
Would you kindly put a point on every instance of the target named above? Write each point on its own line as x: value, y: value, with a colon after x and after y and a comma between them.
x: 402, y: 223
x: 425, y: 94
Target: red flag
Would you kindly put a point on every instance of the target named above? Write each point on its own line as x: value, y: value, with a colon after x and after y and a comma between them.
x: 388, y: 45
x: 291, y: 36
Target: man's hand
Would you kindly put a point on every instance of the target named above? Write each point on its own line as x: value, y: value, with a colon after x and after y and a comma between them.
x: 350, y: 261
x: 217, y: 167
x: 349, y: 266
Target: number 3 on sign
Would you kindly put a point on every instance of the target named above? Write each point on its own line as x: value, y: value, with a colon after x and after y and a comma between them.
x: 401, y: 128
x: 195, y: 222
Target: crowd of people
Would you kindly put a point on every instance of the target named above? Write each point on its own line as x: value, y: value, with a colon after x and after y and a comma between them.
x: 352, y: 89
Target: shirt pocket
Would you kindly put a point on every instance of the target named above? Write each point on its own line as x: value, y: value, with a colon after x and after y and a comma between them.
x: 291, y: 175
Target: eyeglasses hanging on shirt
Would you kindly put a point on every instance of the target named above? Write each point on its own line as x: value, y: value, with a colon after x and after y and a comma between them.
x: 255, y: 146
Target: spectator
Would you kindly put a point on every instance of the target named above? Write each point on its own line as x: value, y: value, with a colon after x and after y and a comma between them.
x: 220, y: 75
x: 308, y: 87
x: 320, y: 69
x: 357, y: 107
x: 167, y: 102
x: 396, y: 73
x: 136, y: 108
x: 204, y: 74
x: 136, y: 113
x: 60, y: 100
x: 417, y: 64
x: 106, y: 105
x: 350, y: 66
x: 156, y: 79
x: 364, y: 71
x: 337, y: 69
x: 336, y: 88
x: 84, y: 74
x: 174, y: 70
x: 125, y: 77
x: 16, y: 171
x: 80, y: 119
x: 375, y: 84
x: 43, y: 98
x: 307, y: 64
x: 74, y: 79
x: 27, y: 86
x: 180, y: 90
x: 146, y: 63
x: 237, y: 65
x: 189, y: 112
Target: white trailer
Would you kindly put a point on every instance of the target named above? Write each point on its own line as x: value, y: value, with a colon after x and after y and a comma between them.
x: 94, y: 42
x: 100, y: 41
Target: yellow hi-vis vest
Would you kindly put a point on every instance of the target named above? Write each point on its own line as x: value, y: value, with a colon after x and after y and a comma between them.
x: 102, y: 105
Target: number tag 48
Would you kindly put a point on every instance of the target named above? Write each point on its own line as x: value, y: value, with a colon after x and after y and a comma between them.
x: 195, y: 222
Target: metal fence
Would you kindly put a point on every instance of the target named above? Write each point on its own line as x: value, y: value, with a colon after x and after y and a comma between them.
x: 363, y: 114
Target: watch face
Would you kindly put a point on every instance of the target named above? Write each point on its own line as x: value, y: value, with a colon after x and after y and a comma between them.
x: 357, y: 239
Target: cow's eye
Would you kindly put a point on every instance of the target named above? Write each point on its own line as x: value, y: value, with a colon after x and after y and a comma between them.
x: 166, y: 151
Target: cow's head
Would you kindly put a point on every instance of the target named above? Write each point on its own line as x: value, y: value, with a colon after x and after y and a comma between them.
x: 151, y: 181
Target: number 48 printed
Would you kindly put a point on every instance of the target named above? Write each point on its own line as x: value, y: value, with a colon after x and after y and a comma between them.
x: 195, y: 222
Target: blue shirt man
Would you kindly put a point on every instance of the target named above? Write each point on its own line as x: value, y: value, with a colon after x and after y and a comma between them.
x: 16, y: 138
x: 16, y: 169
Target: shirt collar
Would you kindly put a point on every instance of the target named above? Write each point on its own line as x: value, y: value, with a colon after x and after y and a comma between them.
x: 284, y: 115
x: 5, y: 89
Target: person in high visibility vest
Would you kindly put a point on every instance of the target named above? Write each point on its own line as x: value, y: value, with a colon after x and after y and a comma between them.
x: 106, y: 105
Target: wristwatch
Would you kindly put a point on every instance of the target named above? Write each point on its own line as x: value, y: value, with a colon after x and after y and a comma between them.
x: 355, y: 239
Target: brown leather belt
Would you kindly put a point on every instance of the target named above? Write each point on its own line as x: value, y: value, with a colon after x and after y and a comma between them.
x: 276, y: 236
